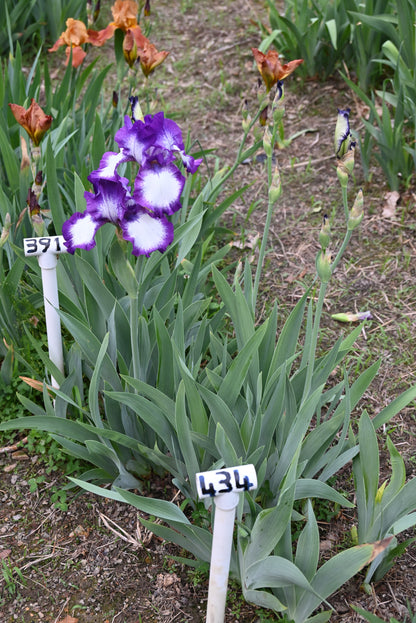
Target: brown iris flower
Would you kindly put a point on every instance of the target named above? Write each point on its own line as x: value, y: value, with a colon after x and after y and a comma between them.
x: 124, y: 14
x: 75, y: 35
x: 270, y: 67
x: 33, y: 120
x: 137, y: 47
x: 150, y: 57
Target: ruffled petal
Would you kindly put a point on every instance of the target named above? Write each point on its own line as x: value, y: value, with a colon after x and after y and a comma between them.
x: 109, y: 201
x: 159, y: 188
x: 108, y: 168
x: 147, y: 233
x: 79, y: 231
x: 78, y: 55
x: 191, y: 164
x: 134, y: 139
x: 169, y: 134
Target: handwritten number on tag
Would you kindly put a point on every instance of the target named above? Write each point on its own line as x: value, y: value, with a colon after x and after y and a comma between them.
x: 246, y: 481
x: 210, y: 491
x: 45, y: 243
x: 225, y: 481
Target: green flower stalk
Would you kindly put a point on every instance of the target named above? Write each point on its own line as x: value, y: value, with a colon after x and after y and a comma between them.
x: 325, y: 263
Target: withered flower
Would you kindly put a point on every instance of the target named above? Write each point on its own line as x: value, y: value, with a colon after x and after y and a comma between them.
x: 270, y: 67
x: 33, y: 120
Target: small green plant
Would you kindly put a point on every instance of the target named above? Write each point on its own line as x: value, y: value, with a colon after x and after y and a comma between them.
x: 12, y: 578
x: 373, y: 618
x: 385, y: 510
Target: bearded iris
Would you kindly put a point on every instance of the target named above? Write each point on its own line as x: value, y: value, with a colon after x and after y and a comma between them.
x: 342, y: 140
x: 139, y: 210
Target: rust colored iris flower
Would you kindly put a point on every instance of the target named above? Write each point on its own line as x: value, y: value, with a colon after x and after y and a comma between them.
x: 270, y: 67
x: 124, y: 14
x: 150, y: 57
x: 137, y: 47
x: 75, y: 35
x: 33, y: 120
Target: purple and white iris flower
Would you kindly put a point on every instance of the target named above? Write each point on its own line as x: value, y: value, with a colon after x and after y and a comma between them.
x: 343, y: 141
x: 139, y: 212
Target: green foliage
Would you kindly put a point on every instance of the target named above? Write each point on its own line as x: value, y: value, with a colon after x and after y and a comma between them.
x: 373, y: 618
x: 12, y: 578
x: 33, y: 22
x: 349, y: 36
x: 383, y: 511
x: 327, y: 34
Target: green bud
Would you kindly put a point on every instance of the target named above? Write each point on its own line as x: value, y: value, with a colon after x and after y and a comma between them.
x: 246, y: 122
x: 275, y: 189
x: 325, y: 234
x: 357, y: 211
x: 323, y: 265
x: 246, y: 117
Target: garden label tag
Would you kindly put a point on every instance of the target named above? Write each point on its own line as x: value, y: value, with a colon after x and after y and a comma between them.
x: 47, y: 249
x: 236, y: 479
x: 45, y: 244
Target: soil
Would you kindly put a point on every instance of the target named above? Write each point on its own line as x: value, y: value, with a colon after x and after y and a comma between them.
x: 91, y: 562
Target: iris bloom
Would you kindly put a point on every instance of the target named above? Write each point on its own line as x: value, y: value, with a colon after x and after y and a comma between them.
x: 75, y: 35
x: 137, y: 47
x: 33, y: 120
x: 135, y: 44
x: 140, y: 212
x: 270, y: 67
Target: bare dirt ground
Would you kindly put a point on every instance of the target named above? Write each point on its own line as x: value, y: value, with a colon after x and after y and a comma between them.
x: 78, y: 563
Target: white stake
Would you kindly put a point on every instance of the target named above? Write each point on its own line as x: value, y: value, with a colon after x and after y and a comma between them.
x: 47, y: 250
x: 224, y: 486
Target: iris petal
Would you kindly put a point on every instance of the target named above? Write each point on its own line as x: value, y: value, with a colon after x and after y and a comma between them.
x: 79, y: 231
x: 147, y: 233
x: 108, y: 167
x: 159, y: 188
x: 108, y: 203
x: 191, y: 164
x: 135, y: 138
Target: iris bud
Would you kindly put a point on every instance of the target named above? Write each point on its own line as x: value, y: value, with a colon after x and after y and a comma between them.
x: 325, y: 234
x: 342, y: 136
x: 323, y: 265
x: 357, y: 211
x: 275, y: 189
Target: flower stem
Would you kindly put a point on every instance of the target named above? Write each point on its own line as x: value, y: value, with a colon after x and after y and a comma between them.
x: 314, y: 341
x: 265, y: 236
x: 345, y: 202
